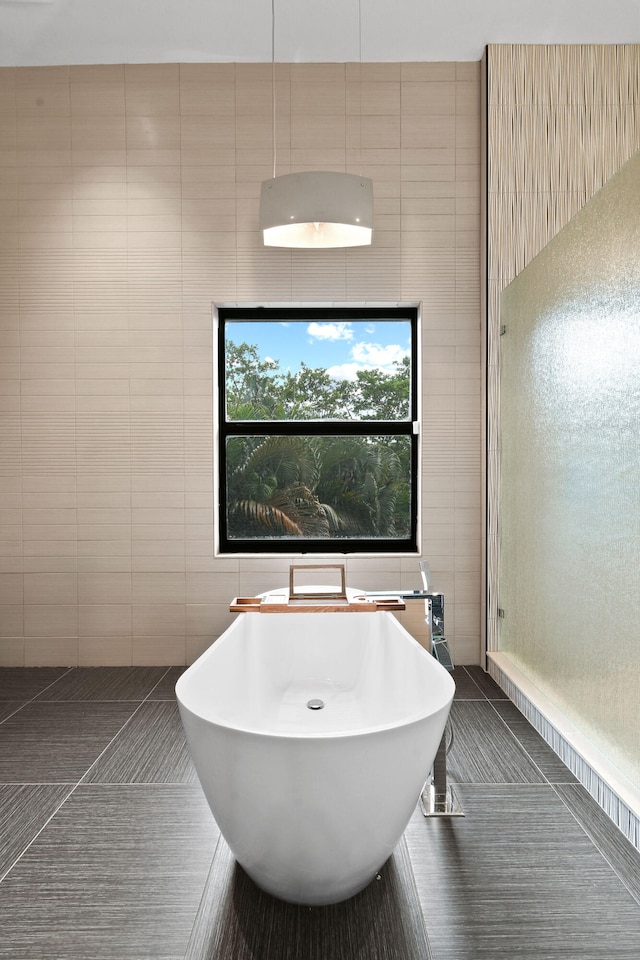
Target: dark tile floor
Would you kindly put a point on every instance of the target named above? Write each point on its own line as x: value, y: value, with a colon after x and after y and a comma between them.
x: 108, y: 850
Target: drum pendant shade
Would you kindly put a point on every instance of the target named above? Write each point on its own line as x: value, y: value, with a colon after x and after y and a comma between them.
x: 317, y: 209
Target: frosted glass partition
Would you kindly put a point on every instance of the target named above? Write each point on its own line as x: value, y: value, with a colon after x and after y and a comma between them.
x: 570, y: 472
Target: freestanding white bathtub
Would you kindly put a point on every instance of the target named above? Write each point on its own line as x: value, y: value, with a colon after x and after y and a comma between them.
x: 312, y: 802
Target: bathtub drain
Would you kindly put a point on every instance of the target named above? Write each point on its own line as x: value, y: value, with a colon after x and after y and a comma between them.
x: 315, y: 704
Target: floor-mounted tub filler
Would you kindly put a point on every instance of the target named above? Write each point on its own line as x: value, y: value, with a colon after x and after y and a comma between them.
x: 312, y: 734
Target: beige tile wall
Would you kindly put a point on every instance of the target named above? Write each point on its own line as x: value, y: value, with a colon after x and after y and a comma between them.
x: 129, y: 203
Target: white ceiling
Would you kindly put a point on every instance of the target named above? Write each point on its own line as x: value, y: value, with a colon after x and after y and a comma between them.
x: 39, y: 32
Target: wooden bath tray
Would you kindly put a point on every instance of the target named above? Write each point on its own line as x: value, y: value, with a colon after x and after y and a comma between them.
x: 309, y: 599
x: 281, y: 603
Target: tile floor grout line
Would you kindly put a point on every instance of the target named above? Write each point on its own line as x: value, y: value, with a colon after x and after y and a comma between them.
x: 533, y: 762
x: 43, y: 827
x: 501, y: 783
x: 202, y: 909
x: 592, y: 839
x: 135, y: 784
x: 482, y: 696
x: 89, y: 699
x: 20, y: 707
x: 416, y: 895
x: 159, y: 681
x: 38, y: 783
x: 25, y: 703
x: 53, y: 682
x: 113, y: 738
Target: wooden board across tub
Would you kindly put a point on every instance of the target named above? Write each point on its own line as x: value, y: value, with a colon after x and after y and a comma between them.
x: 282, y: 603
x: 309, y: 599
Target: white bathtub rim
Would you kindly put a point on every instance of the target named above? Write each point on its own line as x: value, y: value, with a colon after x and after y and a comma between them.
x: 434, y: 707
x: 279, y: 737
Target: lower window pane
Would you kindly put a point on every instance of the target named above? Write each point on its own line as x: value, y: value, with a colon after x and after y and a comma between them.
x: 318, y: 487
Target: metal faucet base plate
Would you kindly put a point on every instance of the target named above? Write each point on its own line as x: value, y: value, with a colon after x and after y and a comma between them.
x: 435, y: 804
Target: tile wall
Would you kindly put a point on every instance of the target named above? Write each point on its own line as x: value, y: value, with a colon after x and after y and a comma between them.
x: 128, y: 204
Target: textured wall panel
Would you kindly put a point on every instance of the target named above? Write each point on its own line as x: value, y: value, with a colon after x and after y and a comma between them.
x: 561, y: 120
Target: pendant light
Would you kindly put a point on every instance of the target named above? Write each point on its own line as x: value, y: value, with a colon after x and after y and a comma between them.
x: 316, y: 209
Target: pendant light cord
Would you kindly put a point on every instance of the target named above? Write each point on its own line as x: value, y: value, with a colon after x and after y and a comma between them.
x: 360, y: 87
x: 273, y: 80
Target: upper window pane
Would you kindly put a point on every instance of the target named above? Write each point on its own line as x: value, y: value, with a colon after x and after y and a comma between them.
x: 315, y: 369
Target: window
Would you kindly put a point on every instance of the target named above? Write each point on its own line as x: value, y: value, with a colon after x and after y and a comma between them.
x: 317, y: 443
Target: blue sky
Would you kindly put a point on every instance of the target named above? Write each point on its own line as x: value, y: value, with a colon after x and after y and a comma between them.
x: 340, y: 347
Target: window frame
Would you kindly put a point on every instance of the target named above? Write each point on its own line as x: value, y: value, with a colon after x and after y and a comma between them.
x: 222, y: 428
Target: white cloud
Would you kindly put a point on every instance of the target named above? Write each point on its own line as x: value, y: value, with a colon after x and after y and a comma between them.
x: 330, y: 331
x: 368, y: 356
x: 345, y: 371
x: 372, y: 355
